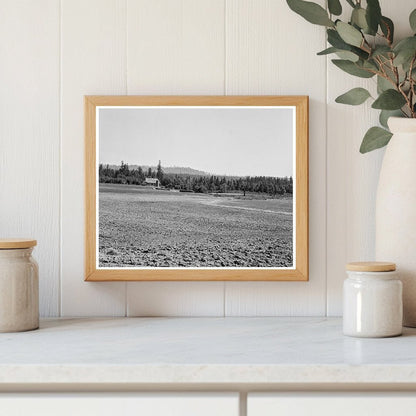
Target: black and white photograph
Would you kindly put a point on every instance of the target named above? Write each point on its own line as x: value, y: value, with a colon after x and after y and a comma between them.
x: 195, y: 187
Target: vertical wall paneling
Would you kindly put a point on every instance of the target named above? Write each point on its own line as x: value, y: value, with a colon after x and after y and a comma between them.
x: 93, y: 61
x: 351, y: 180
x: 175, y: 299
x: 175, y: 47
x: 55, y: 51
x: 29, y: 135
x: 353, y: 177
x: 271, y: 50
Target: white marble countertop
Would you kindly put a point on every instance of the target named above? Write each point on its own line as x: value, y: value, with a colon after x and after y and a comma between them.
x: 202, y: 352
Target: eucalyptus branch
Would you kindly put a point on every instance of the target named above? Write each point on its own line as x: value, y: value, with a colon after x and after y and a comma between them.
x: 384, y: 74
x: 395, y: 71
x: 412, y: 85
x: 366, y: 43
x: 386, y: 37
x: 406, y: 97
x: 366, y: 47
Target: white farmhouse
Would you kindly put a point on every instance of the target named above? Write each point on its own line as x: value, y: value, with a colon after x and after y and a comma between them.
x: 152, y: 182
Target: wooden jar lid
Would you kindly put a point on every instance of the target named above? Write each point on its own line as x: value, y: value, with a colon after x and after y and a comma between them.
x: 371, y: 266
x: 10, y: 243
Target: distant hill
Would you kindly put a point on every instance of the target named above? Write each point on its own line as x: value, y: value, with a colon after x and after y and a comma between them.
x: 175, y: 170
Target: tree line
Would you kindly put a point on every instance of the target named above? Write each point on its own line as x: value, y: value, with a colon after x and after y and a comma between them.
x: 196, y: 183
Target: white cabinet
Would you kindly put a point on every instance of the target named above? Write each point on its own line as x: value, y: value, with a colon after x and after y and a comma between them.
x: 123, y: 404
x: 330, y: 404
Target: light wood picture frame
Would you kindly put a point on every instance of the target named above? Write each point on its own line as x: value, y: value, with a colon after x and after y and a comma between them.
x: 157, y: 118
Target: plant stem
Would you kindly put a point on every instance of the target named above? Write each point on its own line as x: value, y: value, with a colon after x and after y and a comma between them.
x: 412, y: 86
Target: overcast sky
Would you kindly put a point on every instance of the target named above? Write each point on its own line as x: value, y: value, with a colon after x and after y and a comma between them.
x: 222, y: 141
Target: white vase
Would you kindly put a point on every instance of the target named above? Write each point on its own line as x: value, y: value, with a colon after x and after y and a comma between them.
x: 396, y: 210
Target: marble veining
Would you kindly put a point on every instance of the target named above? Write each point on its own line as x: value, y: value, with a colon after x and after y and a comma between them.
x: 203, y: 350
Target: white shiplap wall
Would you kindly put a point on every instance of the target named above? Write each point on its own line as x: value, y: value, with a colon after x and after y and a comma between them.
x: 262, y: 57
x: 93, y: 61
x: 53, y: 52
x: 352, y: 178
x: 182, y: 53
x: 29, y: 134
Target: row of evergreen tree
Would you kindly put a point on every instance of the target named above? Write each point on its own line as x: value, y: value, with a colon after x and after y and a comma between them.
x: 196, y: 183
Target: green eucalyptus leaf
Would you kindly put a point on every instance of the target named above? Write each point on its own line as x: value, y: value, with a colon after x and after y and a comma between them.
x: 386, y: 114
x: 328, y: 51
x: 375, y: 138
x: 358, y: 18
x: 352, y: 68
x: 383, y: 84
x: 412, y: 20
x: 334, y: 7
x: 356, y: 96
x: 373, y: 15
x: 349, y: 34
x: 361, y: 53
x: 311, y: 12
x: 407, y: 63
x: 340, y: 53
x: 381, y: 50
x: 389, y: 100
x: 392, y: 76
x: 404, y: 58
x: 406, y: 43
x: 347, y: 55
x: 387, y: 27
x: 371, y: 64
x: 404, y: 51
x: 336, y: 41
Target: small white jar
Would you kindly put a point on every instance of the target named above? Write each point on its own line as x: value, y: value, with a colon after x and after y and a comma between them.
x: 19, y: 286
x: 372, y: 300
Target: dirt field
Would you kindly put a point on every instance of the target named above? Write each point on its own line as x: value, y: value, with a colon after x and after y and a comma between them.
x: 142, y: 227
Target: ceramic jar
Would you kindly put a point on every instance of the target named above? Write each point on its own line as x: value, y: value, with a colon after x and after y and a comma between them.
x: 19, y: 286
x: 372, y: 300
x: 395, y: 209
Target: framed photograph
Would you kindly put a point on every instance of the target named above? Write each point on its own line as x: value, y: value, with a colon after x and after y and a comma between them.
x: 196, y: 188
